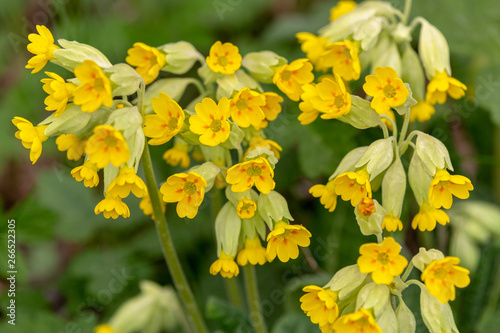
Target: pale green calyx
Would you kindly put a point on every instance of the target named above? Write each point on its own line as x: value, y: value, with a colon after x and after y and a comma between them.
x: 386, y: 53
x: 180, y: 57
x: 72, y: 120
x: 208, y: 171
x: 272, y: 207
x: 73, y: 54
x: 264, y: 152
x: 260, y: 64
x: 173, y: 87
x: 234, y: 197
x: 373, y: 296
x: 372, y: 224
x: 413, y: 72
x: 362, y: 115
x: 419, y: 180
x: 437, y: 317
x: 425, y: 257
x: 387, y: 320
x: 394, y: 188
x: 433, y: 153
x: 377, y: 157
x: 405, y: 318
x: 346, y: 281
x: 368, y: 31
x: 349, y: 161
x: 433, y: 49
x: 227, y: 229
x: 126, y: 80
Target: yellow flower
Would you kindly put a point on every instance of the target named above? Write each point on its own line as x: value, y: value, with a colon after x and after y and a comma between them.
x: 59, y: 93
x: 225, y: 265
x: 309, y: 113
x: 107, y: 145
x: 95, y: 87
x: 422, y: 111
x: 320, y: 305
x: 243, y: 176
x: 42, y: 46
x: 353, y: 186
x: 258, y: 141
x: 343, y: 58
x: 360, y: 321
x: 284, y: 241
x: 442, y: 84
x: 313, y: 46
x: 382, y: 260
x: 272, y: 107
x: 86, y: 172
x: 210, y: 121
x: 441, y: 277
x: 31, y: 136
x: 112, y: 207
x: 343, y: 7
x: 253, y: 253
x: 104, y: 328
x: 428, y: 216
x: 246, y: 109
x: 246, y: 208
x: 386, y: 88
x: 147, y: 207
x: 166, y: 122
x: 444, y: 186
x: 366, y: 206
x: 290, y: 78
x: 224, y: 58
x: 127, y: 181
x: 188, y: 189
x: 392, y: 223
x: 147, y: 60
x: 72, y: 144
x: 178, y: 155
x: 331, y: 98
x: 327, y: 195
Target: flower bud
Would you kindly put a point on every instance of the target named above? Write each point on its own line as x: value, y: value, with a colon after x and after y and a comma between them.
x: 72, y: 54
x: 386, y: 54
x: 419, y: 180
x: 127, y: 120
x: 361, y: 116
x: 234, y: 197
x: 437, y: 316
x: 260, y: 64
x: 387, y: 320
x: 173, y: 87
x: 227, y: 230
x: 228, y: 84
x: 346, y: 280
x: 125, y: 77
x: 180, y: 57
x: 433, y: 50
x: 370, y: 224
x: 377, y: 157
x: 394, y: 188
x: 405, y: 318
x: 273, y: 207
x: 70, y: 121
x: 368, y: 31
x: 349, y: 161
x: 262, y: 152
x: 425, y: 257
x: 413, y: 73
x: 208, y: 171
x: 254, y: 225
x: 373, y: 296
x: 215, y: 154
x: 433, y: 153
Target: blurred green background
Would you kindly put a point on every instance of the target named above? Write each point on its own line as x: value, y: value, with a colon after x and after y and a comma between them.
x: 67, y: 256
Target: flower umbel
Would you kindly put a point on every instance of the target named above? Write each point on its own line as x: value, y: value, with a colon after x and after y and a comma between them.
x: 95, y: 87
x: 166, y: 122
x: 224, y: 58
x: 440, y: 85
x: 31, y: 136
x: 290, y: 78
x: 386, y: 88
x: 444, y: 186
x: 188, y: 189
x: 253, y: 253
x: 285, y: 239
x: 42, y: 46
x: 147, y: 60
x: 243, y: 176
x: 353, y: 186
x: 327, y: 195
x: 59, y: 93
x: 225, y: 265
x: 112, y: 207
x: 210, y: 121
x: 88, y: 173
x: 382, y: 260
x: 107, y: 145
x: 441, y: 277
x: 320, y: 305
x: 428, y: 216
x: 360, y: 321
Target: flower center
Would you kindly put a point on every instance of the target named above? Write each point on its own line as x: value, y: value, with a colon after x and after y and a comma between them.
x: 99, y: 84
x: 339, y: 101
x: 110, y: 140
x: 389, y: 91
x: 172, y: 123
x: 285, y: 76
x: 246, y: 206
x: 440, y: 273
x: 222, y: 61
x: 254, y: 171
x: 242, y: 104
x: 366, y: 207
x: 383, y: 258
x: 363, y: 322
x: 347, y: 53
x: 216, y: 126
x: 190, y: 188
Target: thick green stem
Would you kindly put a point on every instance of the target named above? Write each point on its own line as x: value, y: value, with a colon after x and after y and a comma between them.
x: 409, y: 268
x: 253, y: 298
x: 406, y: 14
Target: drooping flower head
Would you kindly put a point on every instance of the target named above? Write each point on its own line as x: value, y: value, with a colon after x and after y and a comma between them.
x: 246, y: 109
x: 272, y: 107
x: 224, y: 58
x: 313, y: 46
x: 343, y: 58
x: 326, y: 194
x: 387, y: 89
x: 360, y: 321
x: 244, y: 175
x: 86, y: 173
x: 166, y: 122
x: 112, y: 207
x: 42, y: 46
x: 382, y: 260
x: 178, y: 155
x: 422, y: 111
x: 441, y: 277
x: 31, y: 136
x: 342, y: 7
x: 187, y: 189
x: 428, y: 216
x: 127, y: 181
x: 95, y: 87
x: 59, y: 93
x: 392, y: 223
x: 320, y: 305
x: 147, y: 60
x: 225, y: 265
x: 210, y: 121
x: 285, y: 239
x: 73, y: 145
x: 444, y: 186
x: 253, y: 253
x: 440, y: 85
x: 331, y: 98
x: 353, y: 186
x: 246, y: 208
x: 107, y: 145
x: 290, y: 78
